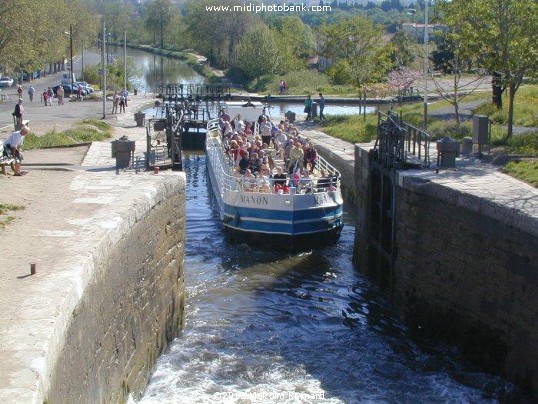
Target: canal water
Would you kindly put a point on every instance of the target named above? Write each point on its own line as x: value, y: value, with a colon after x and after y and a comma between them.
x: 265, y: 326
x: 154, y: 70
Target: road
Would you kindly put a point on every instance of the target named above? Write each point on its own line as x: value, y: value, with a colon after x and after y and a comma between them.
x: 36, y: 111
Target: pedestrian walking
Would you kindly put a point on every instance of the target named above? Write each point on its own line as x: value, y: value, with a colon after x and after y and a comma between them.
x: 308, y: 108
x: 31, y: 92
x: 60, y: 93
x: 115, y: 102
x: 50, y: 95
x: 321, y: 104
x: 125, y: 94
x: 18, y: 114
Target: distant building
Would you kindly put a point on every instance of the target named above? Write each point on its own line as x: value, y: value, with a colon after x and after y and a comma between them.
x: 416, y: 30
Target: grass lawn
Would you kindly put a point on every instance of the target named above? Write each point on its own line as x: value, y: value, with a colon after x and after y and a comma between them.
x: 88, y: 130
x: 355, y: 129
x: 524, y: 170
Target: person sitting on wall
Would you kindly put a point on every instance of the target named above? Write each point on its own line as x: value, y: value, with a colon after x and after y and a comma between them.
x: 12, y: 149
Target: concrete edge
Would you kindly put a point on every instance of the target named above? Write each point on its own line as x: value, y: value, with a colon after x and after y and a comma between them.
x: 492, y: 209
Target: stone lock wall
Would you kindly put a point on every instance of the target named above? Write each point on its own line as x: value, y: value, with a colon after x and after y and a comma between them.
x: 469, y: 277
x: 465, y: 270
x: 131, y: 309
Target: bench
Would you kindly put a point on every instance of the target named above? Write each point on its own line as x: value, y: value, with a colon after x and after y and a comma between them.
x: 4, y: 162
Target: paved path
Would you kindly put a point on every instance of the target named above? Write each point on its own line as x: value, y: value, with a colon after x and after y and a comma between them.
x: 72, y: 198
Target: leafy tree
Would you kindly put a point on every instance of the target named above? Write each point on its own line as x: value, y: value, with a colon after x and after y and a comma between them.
x: 158, y: 14
x: 117, y: 17
x: 295, y: 41
x: 502, y: 33
x: 217, y: 34
x: 404, y: 49
x: 258, y: 53
x: 451, y: 58
x: 359, y: 42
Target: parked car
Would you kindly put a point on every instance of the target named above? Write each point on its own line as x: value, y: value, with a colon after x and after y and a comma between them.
x: 6, y: 81
x: 89, y: 89
x: 68, y: 90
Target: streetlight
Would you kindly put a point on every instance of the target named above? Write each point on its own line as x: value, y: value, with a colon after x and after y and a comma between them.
x: 70, y: 33
x: 426, y: 37
x: 103, y: 67
x: 413, y: 12
x: 124, y: 58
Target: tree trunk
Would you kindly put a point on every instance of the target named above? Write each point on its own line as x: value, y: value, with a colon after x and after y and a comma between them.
x: 456, y: 100
x: 512, y: 96
x: 497, y: 90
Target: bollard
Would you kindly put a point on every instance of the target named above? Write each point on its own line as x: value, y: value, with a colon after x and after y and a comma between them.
x: 32, y: 269
x: 156, y: 169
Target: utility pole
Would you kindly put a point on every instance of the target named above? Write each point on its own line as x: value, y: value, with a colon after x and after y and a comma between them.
x: 103, y: 67
x: 71, y: 55
x: 426, y: 36
x: 82, y: 68
x: 124, y: 58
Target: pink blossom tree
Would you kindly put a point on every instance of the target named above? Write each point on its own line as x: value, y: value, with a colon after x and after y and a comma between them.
x: 401, y: 80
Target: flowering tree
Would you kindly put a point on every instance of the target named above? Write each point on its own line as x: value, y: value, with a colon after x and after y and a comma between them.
x: 401, y: 80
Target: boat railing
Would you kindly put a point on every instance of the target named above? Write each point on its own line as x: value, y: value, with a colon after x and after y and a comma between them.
x: 327, y: 178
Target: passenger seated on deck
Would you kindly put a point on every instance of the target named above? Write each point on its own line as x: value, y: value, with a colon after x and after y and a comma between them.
x: 244, y: 162
x: 280, y: 181
x: 263, y: 180
x: 248, y: 181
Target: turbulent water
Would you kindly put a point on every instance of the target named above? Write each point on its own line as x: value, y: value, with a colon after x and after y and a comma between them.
x: 273, y: 327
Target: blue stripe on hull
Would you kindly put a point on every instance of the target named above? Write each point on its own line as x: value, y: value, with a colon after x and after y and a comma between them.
x: 314, y: 220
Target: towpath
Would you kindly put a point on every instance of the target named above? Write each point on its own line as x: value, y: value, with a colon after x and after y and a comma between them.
x: 70, y: 197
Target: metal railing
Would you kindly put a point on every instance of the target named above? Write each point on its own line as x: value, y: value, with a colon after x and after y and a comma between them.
x: 397, y: 139
x: 223, y: 170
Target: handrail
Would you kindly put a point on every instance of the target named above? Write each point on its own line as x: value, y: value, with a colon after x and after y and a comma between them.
x: 397, y: 138
x: 226, y: 181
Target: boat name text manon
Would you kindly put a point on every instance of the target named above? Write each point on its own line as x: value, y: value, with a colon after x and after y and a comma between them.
x: 254, y: 199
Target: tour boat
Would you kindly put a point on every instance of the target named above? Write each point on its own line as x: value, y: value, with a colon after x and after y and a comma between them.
x: 303, y: 215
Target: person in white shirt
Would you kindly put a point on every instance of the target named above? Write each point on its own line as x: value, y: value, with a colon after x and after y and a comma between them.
x: 12, y: 148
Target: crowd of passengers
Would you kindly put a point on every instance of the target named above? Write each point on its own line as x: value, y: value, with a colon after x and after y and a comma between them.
x: 257, y: 149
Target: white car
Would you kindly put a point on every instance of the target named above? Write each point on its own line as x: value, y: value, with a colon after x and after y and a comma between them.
x: 6, y: 82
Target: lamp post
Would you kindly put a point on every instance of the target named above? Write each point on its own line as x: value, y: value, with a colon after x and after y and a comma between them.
x: 103, y: 67
x: 71, y: 54
x: 426, y: 37
x: 124, y: 58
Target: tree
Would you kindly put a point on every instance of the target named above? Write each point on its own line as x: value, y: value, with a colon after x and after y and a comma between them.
x: 158, y: 15
x: 402, y: 79
x: 258, y: 53
x: 216, y: 34
x: 404, y: 49
x: 360, y: 43
x: 450, y: 58
x: 295, y: 41
x: 502, y: 33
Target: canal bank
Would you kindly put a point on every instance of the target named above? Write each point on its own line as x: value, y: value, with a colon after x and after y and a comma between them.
x: 107, y: 295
